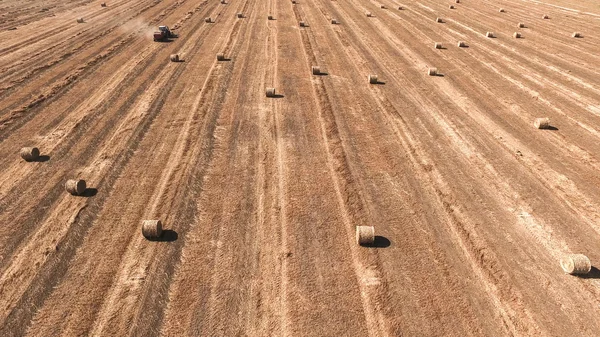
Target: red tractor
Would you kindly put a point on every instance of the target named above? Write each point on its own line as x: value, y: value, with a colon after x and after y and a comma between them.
x: 163, y: 34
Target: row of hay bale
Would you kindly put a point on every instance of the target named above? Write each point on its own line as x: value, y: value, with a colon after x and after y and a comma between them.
x: 151, y: 229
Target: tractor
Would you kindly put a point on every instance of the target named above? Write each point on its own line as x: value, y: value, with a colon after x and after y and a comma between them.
x: 163, y: 34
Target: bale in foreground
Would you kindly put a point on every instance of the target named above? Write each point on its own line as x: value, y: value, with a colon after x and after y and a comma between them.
x: 373, y: 79
x: 270, y: 92
x: 365, y: 235
x: 151, y: 229
x: 541, y: 123
x: 75, y: 186
x: 220, y: 57
x: 576, y: 264
x: 316, y: 70
x: 30, y: 153
x: 174, y: 57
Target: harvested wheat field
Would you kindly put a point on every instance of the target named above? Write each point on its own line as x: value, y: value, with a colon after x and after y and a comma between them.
x: 221, y: 196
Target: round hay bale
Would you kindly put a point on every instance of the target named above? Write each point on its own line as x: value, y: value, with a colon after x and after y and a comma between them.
x: 30, y: 153
x: 220, y: 57
x: 541, y: 123
x: 294, y: 2
x: 369, y: 14
x: 432, y: 72
x: 334, y: 22
x: 462, y: 44
x: 517, y: 35
x: 80, y: 20
x: 372, y: 79
x: 302, y: 24
x: 365, y: 235
x: 576, y: 264
x: 545, y: 16
x: 75, y: 186
x: 383, y: 7
x: 270, y: 92
x: 174, y: 57
x: 439, y: 20
x: 103, y: 4
x: 223, y: 2
x: 437, y: 45
x: 451, y: 7
x: 400, y: 8
x: 208, y: 20
x: 457, y: 1
x: 316, y: 70
x: 501, y: 10
x: 151, y: 229
x: 521, y: 25
x: 489, y: 34
x: 239, y: 15
x: 270, y: 17
x: 576, y: 34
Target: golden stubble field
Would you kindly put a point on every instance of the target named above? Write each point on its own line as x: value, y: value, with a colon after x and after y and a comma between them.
x: 260, y: 196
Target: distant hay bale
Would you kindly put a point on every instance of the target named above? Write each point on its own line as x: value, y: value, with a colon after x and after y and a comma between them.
x: 462, y: 44
x: 517, y: 35
x: 545, y: 16
x: 457, y: 1
x: 432, y: 72
x: 151, y: 229
x: 302, y: 24
x: 316, y: 70
x: 521, y: 25
x: 30, y: 153
x: 438, y: 45
x: 223, y: 2
x: 270, y: 92
x: 365, y: 235
x: 576, y: 34
x: 451, y: 7
x: 501, y: 10
x: 208, y: 20
x: 383, y: 7
x: 489, y: 34
x: 576, y: 264
x: 174, y: 57
x: 372, y: 79
x: 240, y: 15
x: 334, y: 22
x: 369, y: 14
x: 220, y: 57
x: 103, y: 4
x: 541, y: 123
x: 400, y: 8
x: 439, y: 20
x: 75, y: 186
x: 270, y: 17
x: 294, y: 2
x: 80, y: 20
